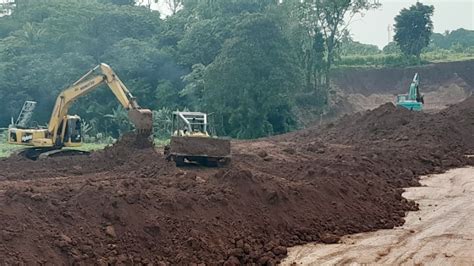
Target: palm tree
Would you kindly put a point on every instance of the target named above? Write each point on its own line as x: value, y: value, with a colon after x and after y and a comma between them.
x: 119, y: 120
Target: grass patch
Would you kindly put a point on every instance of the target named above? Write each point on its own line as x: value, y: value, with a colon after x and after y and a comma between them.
x: 90, y: 147
x: 161, y: 142
x: 7, y: 149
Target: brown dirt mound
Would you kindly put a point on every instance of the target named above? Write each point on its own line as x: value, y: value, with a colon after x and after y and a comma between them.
x: 128, y: 205
x: 130, y: 149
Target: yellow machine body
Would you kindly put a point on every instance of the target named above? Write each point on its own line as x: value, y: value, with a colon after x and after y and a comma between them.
x: 68, y: 135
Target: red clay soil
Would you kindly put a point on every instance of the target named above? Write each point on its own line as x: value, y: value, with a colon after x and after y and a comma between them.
x: 127, y: 204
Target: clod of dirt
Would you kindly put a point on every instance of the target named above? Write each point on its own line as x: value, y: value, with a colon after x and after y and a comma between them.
x: 262, y: 153
x: 328, y: 238
x: 110, y: 231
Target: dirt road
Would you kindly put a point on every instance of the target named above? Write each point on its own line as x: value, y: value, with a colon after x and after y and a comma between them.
x: 440, y: 233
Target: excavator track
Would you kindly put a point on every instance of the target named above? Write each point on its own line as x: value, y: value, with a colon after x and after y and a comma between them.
x: 43, y: 153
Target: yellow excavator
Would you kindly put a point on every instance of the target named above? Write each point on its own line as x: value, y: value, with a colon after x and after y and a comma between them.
x: 64, y: 130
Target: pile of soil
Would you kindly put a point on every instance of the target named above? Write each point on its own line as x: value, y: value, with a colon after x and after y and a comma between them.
x: 129, y: 205
x: 130, y: 149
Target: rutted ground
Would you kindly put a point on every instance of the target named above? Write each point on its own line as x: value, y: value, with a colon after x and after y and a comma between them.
x: 440, y: 233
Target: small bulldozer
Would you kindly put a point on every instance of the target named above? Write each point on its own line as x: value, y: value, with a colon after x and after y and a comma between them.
x: 191, y: 143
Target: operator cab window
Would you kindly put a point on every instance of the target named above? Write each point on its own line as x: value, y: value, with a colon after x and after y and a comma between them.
x: 13, y: 137
x: 75, y: 130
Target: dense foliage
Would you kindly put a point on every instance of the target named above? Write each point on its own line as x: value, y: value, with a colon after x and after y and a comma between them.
x: 413, y: 28
x: 458, y: 40
x: 246, y: 62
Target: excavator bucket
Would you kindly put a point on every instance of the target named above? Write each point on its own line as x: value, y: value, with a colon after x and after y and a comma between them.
x: 142, y: 119
x: 202, y: 150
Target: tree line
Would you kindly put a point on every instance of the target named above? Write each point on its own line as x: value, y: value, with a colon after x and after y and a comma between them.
x: 249, y: 64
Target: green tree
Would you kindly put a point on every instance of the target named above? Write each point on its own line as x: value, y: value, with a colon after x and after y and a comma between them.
x: 249, y: 84
x: 245, y: 61
x: 331, y: 18
x: 413, y: 29
x: 351, y: 47
x: 391, y: 48
x: 463, y: 37
x: 194, y: 89
x: 202, y: 41
x: 46, y: 45
x: 227, y: 8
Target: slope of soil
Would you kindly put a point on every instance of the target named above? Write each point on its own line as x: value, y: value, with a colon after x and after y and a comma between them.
x: 397, y: 79
x: 127, y: 204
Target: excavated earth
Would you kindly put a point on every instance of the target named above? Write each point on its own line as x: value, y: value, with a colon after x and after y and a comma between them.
x: 442, y: 84
x: 128, y: 205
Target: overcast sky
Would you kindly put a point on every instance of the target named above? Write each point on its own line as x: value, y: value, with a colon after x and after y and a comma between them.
x: 373, y: 27
x: 448, y: 15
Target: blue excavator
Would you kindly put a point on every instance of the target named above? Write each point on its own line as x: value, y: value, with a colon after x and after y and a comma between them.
x: 413, y: 100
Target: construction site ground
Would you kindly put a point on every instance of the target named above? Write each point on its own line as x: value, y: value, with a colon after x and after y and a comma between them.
x: 440, y: 233
x: 127, y: 204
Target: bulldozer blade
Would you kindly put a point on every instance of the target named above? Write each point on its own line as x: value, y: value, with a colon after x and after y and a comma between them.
x: 142, y: 119
x: 203, y: 147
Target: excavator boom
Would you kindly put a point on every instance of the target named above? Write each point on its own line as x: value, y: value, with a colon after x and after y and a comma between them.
x: 141, y: 118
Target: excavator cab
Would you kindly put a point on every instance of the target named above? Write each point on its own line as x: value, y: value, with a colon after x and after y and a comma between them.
x: 72, y: 128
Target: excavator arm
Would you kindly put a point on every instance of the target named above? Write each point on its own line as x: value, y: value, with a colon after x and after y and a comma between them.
x: 141, y: 118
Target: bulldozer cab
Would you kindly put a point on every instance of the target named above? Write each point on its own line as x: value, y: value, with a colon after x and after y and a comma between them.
x: 191, y: 143
x: 190, y: 124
